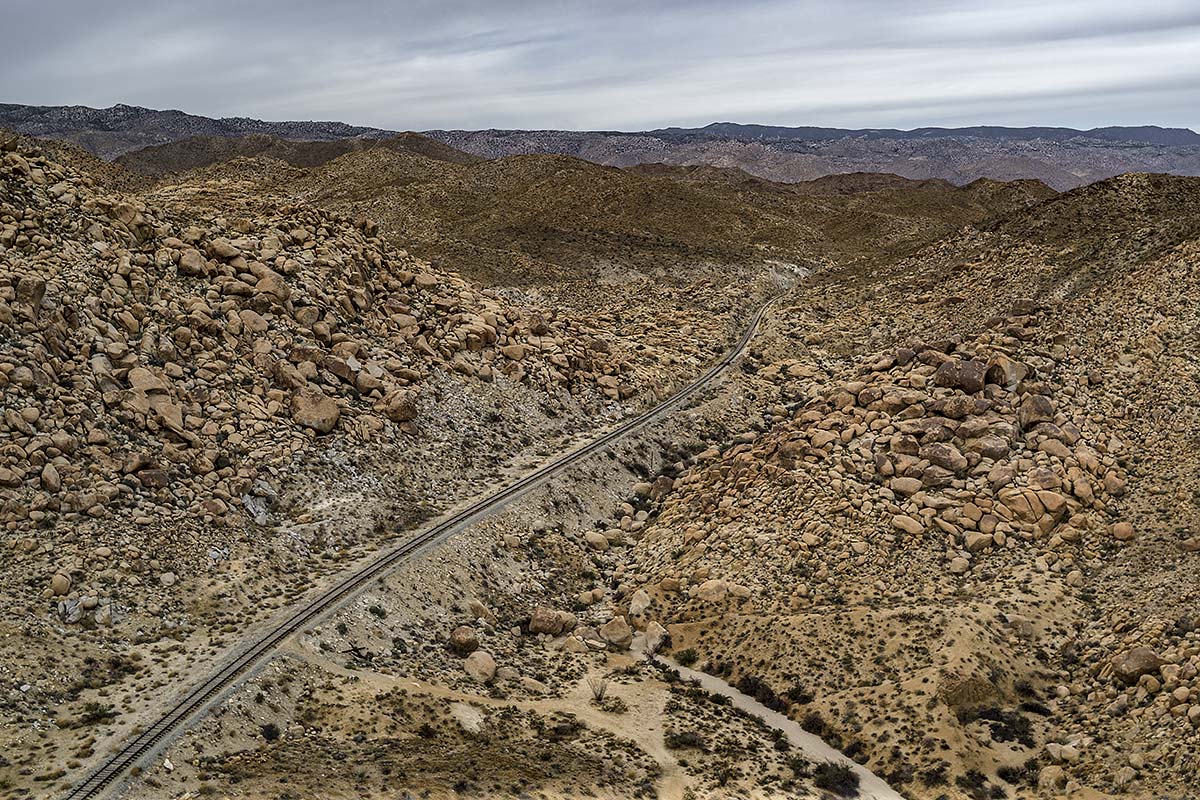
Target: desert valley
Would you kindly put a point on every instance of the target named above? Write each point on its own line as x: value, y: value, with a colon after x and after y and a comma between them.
x: 728, y: 461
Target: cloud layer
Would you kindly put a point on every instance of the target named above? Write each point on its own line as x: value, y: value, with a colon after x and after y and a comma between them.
x: 422, y: 64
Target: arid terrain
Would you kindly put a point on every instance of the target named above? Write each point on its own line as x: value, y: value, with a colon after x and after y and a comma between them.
x: 935, y: 533
x: 1063, y: 158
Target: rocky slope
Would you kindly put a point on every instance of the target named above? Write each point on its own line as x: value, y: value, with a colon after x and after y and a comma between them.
x: 963, y: 540
x: 550, y: 221
x: 211, y: 400
x: 944, y: 517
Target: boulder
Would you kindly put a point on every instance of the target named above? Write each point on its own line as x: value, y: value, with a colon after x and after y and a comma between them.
x: 944, y: 455
x: 1122, y: 531
x: 1005, y: 372
x: 222, y: 248
x: 713, y: 590
x: 192, y: 263
x: 545, y: 620
x: 617, y: 632
x: 273, y: 285
x: 1131, y: 665
x: 1034, y: 409
x: 964, y: 374
x: 400, y: 406
x: 480, y: 666
x: 639, y: 604
x: 312, y: 409
x: 656, y: 635
x: 463, y: 640
x: 1051, y: 779
x: 51, y: 481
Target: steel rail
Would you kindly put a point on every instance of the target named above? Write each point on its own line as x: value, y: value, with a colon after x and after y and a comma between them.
x: 198, y: 697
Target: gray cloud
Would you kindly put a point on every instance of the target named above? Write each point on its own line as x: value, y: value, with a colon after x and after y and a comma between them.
x: 617, y: 65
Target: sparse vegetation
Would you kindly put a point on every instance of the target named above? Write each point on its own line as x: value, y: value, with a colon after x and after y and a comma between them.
x: 837, y: 778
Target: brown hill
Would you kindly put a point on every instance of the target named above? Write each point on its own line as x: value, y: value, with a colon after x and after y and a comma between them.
x: 569, y: 219
x: 1138, y: 215
x: 201, y: 151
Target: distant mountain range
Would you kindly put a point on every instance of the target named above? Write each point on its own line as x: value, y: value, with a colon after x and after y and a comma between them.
x: 110, y: 132
x: 1061, y: 157
x: 1145, y: 134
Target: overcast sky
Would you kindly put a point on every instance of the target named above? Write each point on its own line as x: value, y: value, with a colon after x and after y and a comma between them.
x: 612, y: 64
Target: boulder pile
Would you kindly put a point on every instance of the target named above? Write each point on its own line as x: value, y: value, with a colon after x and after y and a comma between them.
x: 157, y: 357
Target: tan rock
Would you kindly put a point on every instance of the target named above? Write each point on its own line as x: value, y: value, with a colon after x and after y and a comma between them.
x: 51, y: 481
x: 480, y: 666
x: 617, y: 632
x: 906, y: 486
x: 312, y: 409
x: 1122, y: 531
x: 711, y: 591
x: 545, y: 620
x: 1133, y: 664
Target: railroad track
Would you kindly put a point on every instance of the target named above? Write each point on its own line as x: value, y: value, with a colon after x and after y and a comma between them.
x: 196, y: 700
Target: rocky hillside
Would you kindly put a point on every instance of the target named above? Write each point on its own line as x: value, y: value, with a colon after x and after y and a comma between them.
x: 961, y: 540
x: 943, y: 517
x: 205, y: 412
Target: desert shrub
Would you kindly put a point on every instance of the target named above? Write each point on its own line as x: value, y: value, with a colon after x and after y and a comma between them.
x: 837, y: 778
x: 814, y: 723
x: 761, y: 691
x: 1007, y: 726
x: 798, y: 694
x: 687, y: 657
x: 934, y: 776
x: 598, y: 687
x: 682, y: 740
x: 94, y: 713
x: 800, y: 766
